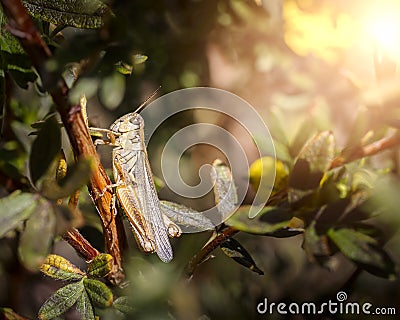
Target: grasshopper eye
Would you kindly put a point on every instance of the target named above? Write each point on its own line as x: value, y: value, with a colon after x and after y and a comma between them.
x: 136, y: 120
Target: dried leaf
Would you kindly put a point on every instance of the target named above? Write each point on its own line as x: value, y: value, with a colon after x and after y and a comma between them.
x: 63, y: 299
x: 60, y: 268
x: 233, y: 249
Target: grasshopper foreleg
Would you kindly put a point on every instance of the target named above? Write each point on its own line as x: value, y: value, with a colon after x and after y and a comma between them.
x: 110, y: 134
x: 107, y: 189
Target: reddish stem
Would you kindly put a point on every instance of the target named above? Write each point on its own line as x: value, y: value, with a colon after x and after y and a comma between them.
x: 22, y: 27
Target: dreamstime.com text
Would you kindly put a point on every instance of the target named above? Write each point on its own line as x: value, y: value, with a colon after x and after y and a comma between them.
x: 330, y: 307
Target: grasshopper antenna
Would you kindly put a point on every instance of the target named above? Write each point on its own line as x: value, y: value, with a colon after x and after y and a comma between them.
x: 144, y: 104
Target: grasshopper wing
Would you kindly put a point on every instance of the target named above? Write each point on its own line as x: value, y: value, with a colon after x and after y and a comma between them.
x: 150, y: 206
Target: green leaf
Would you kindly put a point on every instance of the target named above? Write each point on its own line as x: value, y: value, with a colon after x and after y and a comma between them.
x: 21, y: 131
x: 124, y: 68
x: 277, y: 220
x: 314, y: 159
x: 9, y: 314
x: 100, y: 266
x: 363, y: 179
x: 136, y: 63
x: 315, y: 245
x: 76, y: 13
x: 139, y: 58
x: 84, y: 307
x: 364, y: 251
x: 38, y: 235
x: 60, y: 268
x: 332, y: 188
x: 344, y: 212
x: 122, y: 304
x: 360, y: 127
x: 2, y: 97
x: 63, y: 299
x: 233, y: 249
x: 9, y: 44
x: 159, y: 183
x: 112, y: 90
x: 275, y: 120
x: 14, y: 209
x: 312, y: 162
x: 13, y: 58
x: 98, y: 292
x: 304, y: 133
x: 45, y: 148
x: 77, y: 176
x: 20, y: 75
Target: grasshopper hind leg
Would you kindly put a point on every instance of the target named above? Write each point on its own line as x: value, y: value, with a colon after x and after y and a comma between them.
x: 173, y: 229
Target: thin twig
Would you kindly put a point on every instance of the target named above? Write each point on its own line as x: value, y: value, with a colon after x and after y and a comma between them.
x: 80, y: 244
x: 21, y: 26
x: 207, y: 249
x: 358, y: 152
x: 223, y: 236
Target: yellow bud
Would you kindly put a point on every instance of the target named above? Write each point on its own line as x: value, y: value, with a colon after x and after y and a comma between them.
x: 264, y: 167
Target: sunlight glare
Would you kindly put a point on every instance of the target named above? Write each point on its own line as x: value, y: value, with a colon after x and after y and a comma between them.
x: 384, y: 28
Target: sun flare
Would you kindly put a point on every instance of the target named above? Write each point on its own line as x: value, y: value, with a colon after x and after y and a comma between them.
x: 384, y: 29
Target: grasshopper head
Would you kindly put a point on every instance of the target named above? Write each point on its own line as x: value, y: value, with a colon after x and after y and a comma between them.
x: 127, y: 123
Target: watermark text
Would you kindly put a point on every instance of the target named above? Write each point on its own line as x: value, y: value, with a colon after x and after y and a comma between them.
x: 340, y: 306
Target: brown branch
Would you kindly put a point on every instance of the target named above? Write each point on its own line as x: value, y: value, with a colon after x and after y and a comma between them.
x: 22, y: 27
x: 207, y: 249
x: 358, y: 152
x: 223, y: 236
x: 80, y: 244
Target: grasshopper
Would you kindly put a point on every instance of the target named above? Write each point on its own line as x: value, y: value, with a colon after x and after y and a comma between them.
x: 154, y: 221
